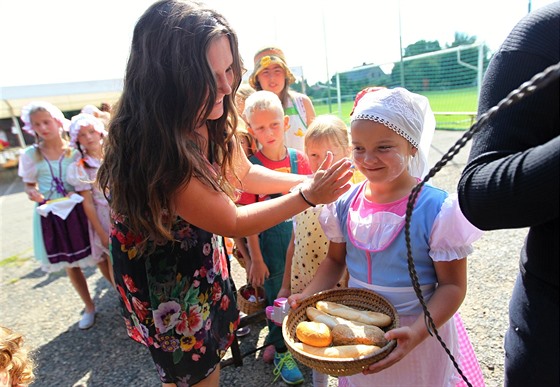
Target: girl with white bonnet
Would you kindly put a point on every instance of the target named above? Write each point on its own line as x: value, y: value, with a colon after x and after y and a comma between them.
x: 59, y: 241
x: 271, y: 73
x: 391, y: 131
x: 86, y: 135
x: 103, y: 116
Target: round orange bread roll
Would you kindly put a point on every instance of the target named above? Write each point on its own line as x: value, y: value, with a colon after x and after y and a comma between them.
x: 314, y: 333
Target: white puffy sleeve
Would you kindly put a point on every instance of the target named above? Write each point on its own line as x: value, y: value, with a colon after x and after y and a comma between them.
x: 77, y: 176
x: 27, y: 169
x: 452, y: 234
x: 330, y: 223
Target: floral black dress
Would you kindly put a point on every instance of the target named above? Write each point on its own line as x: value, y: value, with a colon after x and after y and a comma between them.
x: 178, y: 300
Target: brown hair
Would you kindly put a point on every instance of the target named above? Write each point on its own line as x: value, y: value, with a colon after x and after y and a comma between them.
x: 244, y: 91
x: 243, y: 135
x: 152, y: 149
x: 14, y: 358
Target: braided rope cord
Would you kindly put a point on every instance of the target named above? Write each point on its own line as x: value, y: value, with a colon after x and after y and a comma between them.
x: 538, y: 82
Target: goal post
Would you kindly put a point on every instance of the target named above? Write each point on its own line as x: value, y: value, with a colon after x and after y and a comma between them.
x: 450, y: 78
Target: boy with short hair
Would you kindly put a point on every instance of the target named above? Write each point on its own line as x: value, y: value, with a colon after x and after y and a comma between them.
x: 268, y: 123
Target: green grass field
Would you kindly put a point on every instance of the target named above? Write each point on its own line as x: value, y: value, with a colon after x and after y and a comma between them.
x: 450, y: 101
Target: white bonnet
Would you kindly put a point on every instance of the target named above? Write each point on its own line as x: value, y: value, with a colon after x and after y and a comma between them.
x: 97, y: 113
x: 36, y: 105
x: 90, y: 109
x: 408, y: 114
x: 84, y: 119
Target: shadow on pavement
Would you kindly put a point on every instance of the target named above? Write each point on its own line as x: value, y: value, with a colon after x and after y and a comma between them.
x: 10, y: 182
x: 103, y: 355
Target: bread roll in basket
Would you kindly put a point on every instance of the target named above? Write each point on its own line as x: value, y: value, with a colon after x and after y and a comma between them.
x: 362, y: 299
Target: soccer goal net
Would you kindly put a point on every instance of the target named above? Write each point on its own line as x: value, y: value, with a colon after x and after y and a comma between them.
x: 449, y: 78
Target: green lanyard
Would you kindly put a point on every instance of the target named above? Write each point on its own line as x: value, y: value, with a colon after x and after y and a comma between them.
x: 293, y: 110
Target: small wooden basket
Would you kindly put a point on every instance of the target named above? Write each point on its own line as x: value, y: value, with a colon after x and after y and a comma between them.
x: 362, y: 299
x: 247, y: 306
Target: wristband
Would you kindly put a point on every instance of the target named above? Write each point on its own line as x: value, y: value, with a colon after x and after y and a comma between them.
x: 305, y: 199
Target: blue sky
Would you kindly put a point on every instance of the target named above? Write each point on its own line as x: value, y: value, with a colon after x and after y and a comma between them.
x: 54, y: 41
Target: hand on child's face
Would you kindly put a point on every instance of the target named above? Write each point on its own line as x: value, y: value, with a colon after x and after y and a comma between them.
x: 317, y: 152
x: 329, y: 181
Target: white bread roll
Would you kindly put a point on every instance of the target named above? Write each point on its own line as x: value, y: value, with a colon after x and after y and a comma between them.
x: 345, y: 334
x: 331, y: 321
x: 314, y: 333
x: 343, y: 352
x: 348, y: 332
x: 363, y: 316
x: 315, y: 314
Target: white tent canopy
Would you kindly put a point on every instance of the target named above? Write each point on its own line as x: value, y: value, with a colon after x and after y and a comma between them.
x: 66, y: 96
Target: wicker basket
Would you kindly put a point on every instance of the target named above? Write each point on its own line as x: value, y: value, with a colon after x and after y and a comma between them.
x: 357, y: 298
x: 247, y: 306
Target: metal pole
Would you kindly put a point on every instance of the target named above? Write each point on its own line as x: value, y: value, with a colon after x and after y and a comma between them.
x: 400, y: 45
x: 338, y: 96
x: 327, y: 62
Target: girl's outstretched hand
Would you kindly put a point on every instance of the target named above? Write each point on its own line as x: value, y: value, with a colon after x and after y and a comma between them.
x: 407, y: 340
x: 329, y: 182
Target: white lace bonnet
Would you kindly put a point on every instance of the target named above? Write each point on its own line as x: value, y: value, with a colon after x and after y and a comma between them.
x: 91, y: 109
x: 84, y: 119
x: 34, y: 106
x: 408, y: 114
